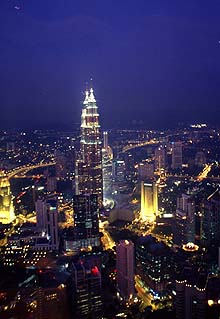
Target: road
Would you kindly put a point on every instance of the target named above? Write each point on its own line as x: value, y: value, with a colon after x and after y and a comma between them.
x: 204, y: 172
x: 143, y: 292
x: 141, y: 144
x: 26, y: 168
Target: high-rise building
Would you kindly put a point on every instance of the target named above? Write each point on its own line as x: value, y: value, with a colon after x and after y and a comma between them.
x: 184, y: 224
x: 125, y: 268
x: 86, y: 290
x: 129, y: 166
x: 6, y: 204
x: 51, y: 294
x: 47, y: 219
x: 105, y: 140
x: 211, y: 221
x: 177, y: 156
x: 145, y: 171
x: 51, y: 184
x: 107, y: 175
x: 86, y: 220
x: 118, y: 170
x: 154, y: 264
x: 197, y: 295
x: 61, y: 170
x: 89, y: 165
x: 160, y: 158
x: 149, y: 201
x: 200, y: 159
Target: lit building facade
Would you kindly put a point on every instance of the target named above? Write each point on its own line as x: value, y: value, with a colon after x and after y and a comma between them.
x: 118, y: 170
x: 125, y: 268
x: 149, y: 201
x: 184, y: 225
x: 42, y: 294
x: 197, y: 295
x: 86, y: 221
x: 87, y: 301
x: 177, y: 155
x: 154, y: 264
x: 105, y: 140
x: 89, y: 166
x: 160, y: 158
x: 61, y: 170
x: 6, y: 205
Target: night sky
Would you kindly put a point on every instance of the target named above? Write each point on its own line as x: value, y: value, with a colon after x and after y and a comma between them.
x: 155, y: 61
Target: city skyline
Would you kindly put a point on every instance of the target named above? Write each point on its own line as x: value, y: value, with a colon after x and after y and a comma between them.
x: 151, y: 249
x: 109, y: 159
x: 150, y: 62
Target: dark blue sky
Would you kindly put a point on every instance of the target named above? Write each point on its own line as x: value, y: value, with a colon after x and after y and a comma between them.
x: 152, y: 60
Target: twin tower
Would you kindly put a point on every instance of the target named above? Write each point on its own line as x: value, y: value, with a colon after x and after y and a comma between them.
x: 89, y: 165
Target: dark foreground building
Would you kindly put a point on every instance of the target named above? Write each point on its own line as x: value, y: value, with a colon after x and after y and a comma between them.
x: 86, y: 290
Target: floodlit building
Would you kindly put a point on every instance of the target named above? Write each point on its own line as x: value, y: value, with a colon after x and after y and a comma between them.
x: 149, y: 201
x: 6, y: 204
x: 89, y: 164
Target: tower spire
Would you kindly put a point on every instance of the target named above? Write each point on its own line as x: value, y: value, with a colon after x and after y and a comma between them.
x: 89, y: 168
x: 91, y: 95
x: 91, y: 83
x: 86, y: 96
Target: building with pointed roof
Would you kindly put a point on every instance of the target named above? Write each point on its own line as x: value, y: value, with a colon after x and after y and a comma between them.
x: 89, y: 165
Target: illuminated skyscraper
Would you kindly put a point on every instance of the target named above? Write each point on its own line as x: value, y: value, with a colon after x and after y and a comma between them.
x: 177, y: 156
x: 105, y: 140
x: 6, y: 205
x: 86, y: 220
x: 149, y: 201
x: 125, y: 268
x: 160, y: 158
x: 184, y: 225
x: 118, y: 170
x: 89, y: 165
